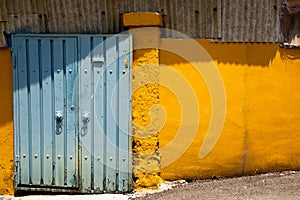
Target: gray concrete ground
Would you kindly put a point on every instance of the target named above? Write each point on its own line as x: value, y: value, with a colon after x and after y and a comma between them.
x: 281, y: 186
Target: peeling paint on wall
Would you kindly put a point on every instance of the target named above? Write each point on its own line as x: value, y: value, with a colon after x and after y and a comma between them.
x: 146, y: 159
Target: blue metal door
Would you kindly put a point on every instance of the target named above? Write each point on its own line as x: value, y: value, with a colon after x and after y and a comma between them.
x: 105, y: 113
x: 46, y: 103
x: 72, y: 112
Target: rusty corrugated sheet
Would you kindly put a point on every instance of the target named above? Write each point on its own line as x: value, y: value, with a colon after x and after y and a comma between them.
x: 197, y: 18
x: 92, y: 16
x: 3, y: 10
x: 24, y: 23
x: 25, y: 6
x: 22, y: 16
x: 2, y: 38
x: 222, y: 20
x: 251, y: 21
x: 3, y: 19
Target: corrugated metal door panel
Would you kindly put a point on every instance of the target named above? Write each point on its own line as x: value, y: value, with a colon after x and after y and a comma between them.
x: 124, y: 114
x: 70, y: 139
x: 59, y: 110
x: 64, y: 143
x: 99, y: 137
x: 47, y: 145
x: 98, y: 68
x: 48, y: 115
x: 22, y: 110
x: 111, y: 129
x: 34, y: 111
x: 86, y: 100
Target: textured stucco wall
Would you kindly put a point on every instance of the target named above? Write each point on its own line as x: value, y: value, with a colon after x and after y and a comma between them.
x: 261, y: 131
x: 146, y: 159
x: 6, y: 123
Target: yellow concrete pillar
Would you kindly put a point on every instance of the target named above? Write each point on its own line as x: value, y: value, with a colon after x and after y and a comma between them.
x: 146, y: 159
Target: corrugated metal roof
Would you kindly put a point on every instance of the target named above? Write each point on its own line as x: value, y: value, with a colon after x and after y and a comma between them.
x: 3, y: 19
x: 25, y: 6
x: 223, y: 20
x: 251, y: 21
x: 201, y: 19
x: 2, y: 39
x: 2, y: 10
x: 92, y: 16
x: 22, y: 23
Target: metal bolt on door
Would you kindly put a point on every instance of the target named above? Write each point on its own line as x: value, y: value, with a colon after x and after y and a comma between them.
x: 72, y: 113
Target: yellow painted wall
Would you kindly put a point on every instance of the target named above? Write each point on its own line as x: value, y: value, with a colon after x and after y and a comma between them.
x: 262, y: 127
x: 6, y: 123
x: 261, y: 131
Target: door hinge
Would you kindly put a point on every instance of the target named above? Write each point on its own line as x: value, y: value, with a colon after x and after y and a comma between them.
x: 17, y: 158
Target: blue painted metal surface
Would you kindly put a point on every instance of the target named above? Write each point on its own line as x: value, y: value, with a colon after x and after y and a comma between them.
x: 72, y: 112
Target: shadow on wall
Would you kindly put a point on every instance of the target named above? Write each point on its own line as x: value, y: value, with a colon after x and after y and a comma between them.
x: 6, y: 123
x: 6, y: 87
x: 251, y: 54
x: 53, y: 52
x: 289, y: 54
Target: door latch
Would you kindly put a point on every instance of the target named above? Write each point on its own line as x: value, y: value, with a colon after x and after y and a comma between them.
x: 85, y: 120
x: 59, y: 119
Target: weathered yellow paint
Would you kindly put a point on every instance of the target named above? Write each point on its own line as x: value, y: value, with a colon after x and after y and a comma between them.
x: 261, y: 131
x: 145, y: 134
x: 6, y: 123
x: 138, y: 19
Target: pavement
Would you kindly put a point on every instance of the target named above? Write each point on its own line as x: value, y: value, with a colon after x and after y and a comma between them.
x: 271, y: 186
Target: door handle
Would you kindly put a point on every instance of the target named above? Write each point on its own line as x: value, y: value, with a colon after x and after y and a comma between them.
x: 59, y: 116
x: 85, y: 117
x: 85, y: 121
x: 59, y: 119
